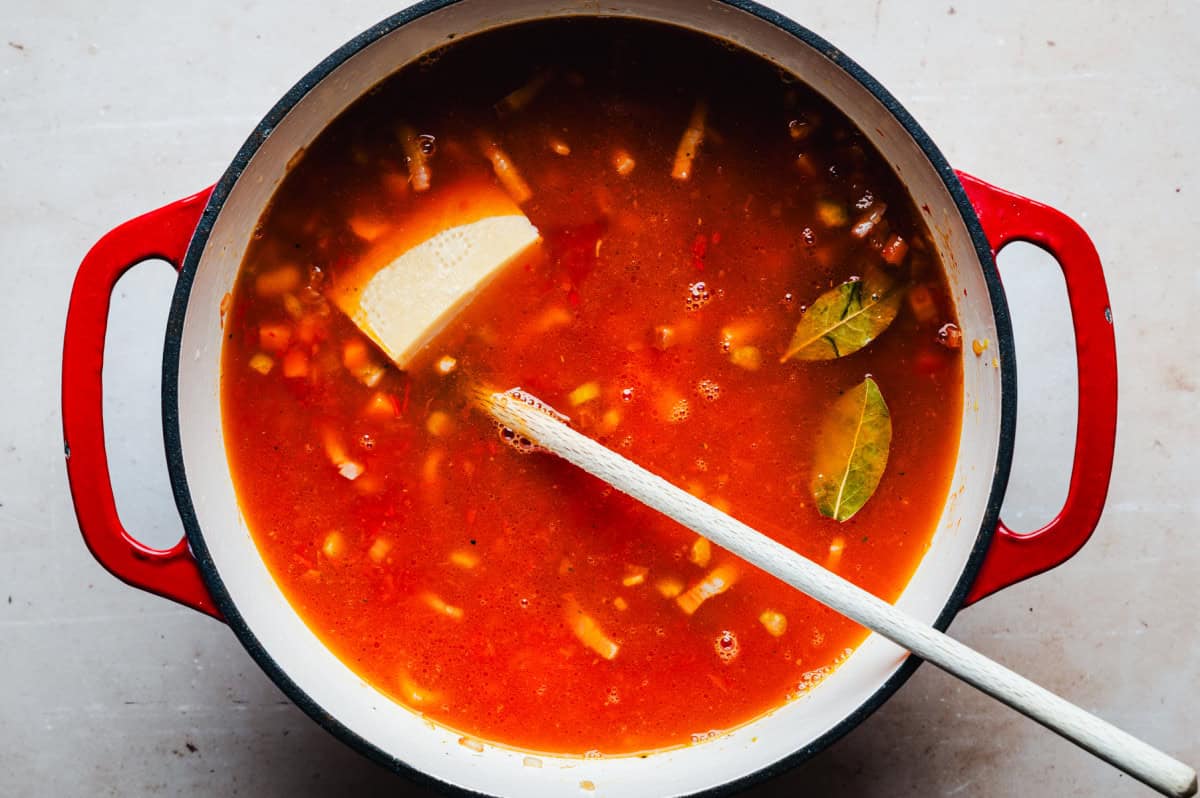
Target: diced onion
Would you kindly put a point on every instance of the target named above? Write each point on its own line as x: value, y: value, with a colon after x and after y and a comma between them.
x: 379, y: 549
x: 747, y: 357
x: 669, y: 587
x: 334, y: 545
x: 262, y: 363
x: 715, y: 583
x: 435, y: 603
x: 279, y: 281
x: 634, y: 575
x: 701, y: 552
x: 588, y: 631
x: 438, y: 423
x: 584, y: 393
x: 774, y: 622
x: 464, y: 558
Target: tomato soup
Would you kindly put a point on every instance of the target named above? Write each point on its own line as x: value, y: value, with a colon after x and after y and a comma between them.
x: 728, y: 274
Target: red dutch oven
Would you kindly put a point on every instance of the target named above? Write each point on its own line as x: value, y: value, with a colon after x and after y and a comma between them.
x: 216, y: 568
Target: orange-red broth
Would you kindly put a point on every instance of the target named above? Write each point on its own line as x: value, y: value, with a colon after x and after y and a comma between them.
x: 455, y: 573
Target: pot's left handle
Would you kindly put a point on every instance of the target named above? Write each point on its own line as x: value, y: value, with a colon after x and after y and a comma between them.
x: 162, y: 234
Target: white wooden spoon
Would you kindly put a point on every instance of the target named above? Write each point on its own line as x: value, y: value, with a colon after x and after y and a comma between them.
x: 530, y: 418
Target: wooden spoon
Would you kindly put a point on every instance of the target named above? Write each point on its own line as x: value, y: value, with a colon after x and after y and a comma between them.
x: 528, y: 417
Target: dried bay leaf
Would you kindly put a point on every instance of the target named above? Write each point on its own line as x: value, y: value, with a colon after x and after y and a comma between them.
x: 852, y: 451
x: 846, y: 318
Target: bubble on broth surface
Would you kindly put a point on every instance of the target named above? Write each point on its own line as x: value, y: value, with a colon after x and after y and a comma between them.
x: 708, y: 389
x: 727, y: 646
x: 698, y: 296
x: 680, y: 411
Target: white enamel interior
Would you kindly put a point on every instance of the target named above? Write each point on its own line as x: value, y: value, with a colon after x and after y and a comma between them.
x: 393, y: 728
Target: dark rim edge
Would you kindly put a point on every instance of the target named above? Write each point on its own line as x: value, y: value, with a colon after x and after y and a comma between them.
x: 174, y: 451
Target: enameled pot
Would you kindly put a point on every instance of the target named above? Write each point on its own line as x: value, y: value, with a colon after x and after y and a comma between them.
x: 217, y: 569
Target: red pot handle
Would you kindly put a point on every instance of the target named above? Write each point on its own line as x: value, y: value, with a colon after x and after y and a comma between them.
x: 164, y: 233
x: 1007, y: 217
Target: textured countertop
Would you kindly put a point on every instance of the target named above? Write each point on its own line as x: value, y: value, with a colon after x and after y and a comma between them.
x: 110, y: 109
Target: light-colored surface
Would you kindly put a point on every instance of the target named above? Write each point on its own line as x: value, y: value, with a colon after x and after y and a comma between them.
x: 105, y: 113
x: 527, y: 416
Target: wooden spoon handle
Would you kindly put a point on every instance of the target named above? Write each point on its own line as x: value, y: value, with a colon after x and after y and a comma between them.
x: 526, y: 416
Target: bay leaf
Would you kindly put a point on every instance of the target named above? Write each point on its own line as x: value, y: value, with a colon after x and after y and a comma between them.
x: 852, y: 451
x: 846, y: 318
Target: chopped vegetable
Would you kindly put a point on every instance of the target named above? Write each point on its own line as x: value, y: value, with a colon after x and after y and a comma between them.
x: 623, y: 162
x: 438, y: 423
x: 866, y: 224
x: 921, y: 301
x: 523, y: 96
x: 950, y: 336
x: 701, y: 552
x: 334, y: 545
x: 634, y: 575
x: 414, y: 694
x: 584, y: 393
x: 278, y: 281
x: 689, y: 143
x: 351, y: 470
x: 559, y: 146
x: 836, y: 547
x: 588, y: 631
x: 664, y: 337
x: 669, y: 587
x: 551, y: 317
x: 609, y: 421
x: 464, y: 558
x: 979, y: 347
x: 429, y: 468
x: 382, y: 405
x: 774, y: 622
x: 379, y: 549
x: 506, y: 171
x: 295, y: 364
x: 368, y: 228
x: 894, y: 251
x: 472, y: 743
x: 435, y: 603
x: 446, y: 364
x: 262, y: 363
x: 832, y: 214
x: 274, y: 337
x: 531, y: 762
x: 620, y: 603
x: 747, y: 357
x: 715, y: 583
x: 415, y: 157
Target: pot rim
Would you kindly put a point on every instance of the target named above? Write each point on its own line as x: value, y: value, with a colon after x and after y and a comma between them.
x: 174, y: 450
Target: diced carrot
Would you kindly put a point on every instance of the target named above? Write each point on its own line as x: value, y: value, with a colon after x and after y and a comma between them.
x: 354, y: 354
x: 832, y: 214
x: 262, y: 363
x: 701, y: 552
x: 278, y: 281
x: 379, y: 549
x: 774, y: 622
x: 894, y: 251
x: 716, y: 582
x: 623, y: 162
x: 295, y: 364
x: 274, y: 337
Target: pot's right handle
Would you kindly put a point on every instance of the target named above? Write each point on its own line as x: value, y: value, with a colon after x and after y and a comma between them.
x: 1008, y: 217
x: 163, y: 233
